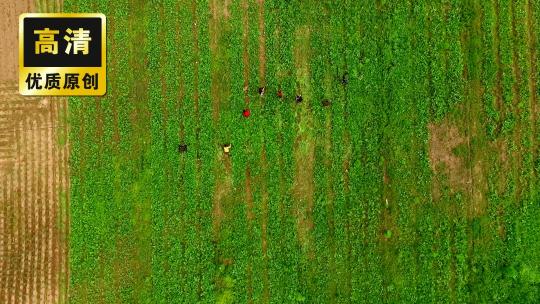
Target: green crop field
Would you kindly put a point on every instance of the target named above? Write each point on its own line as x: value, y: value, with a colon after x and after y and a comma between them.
x: 416, y: 181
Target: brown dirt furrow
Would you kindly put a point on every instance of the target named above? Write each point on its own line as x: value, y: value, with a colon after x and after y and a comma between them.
x: 517, y: 77
x: 181, y: 88
x: 3, y: 241
x: 532, y: 51
x: 223, y: 189
x: 264, y: 162
x: 262, y: 43
x: 11, y: 204
x: 222, y: 192
x: 497, y: 145
x: 245, y: 52
x: 37, y: 228
x: 264, y: 227
x: 23, y: 188
x: 46, y: 216
x: 244, y: 5
x: 113, y: 59
x: 263, y: 159
x: 28, y: 214
x: 219, y: 11
x: 196, y: 52
x: 249, y: 197
x: 51, y: 237
x: 5, y: 220
x: 250, y: 215
x: 47, y: 182
x: 330, y: 198
x: 32, y: 217
x: 304, y: 146
x: 14, y: 245
x: 65, y: 188
x: 346, y: 165
x: 498, y: 89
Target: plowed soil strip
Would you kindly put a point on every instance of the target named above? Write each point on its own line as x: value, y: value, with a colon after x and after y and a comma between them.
x: 264, y: 228
x: 304, y: 148
x: 533, y: 80
x: 196, y: 52
x: 248, y: 191
x: 262, y: 44
x: 498, y: 90
x: 65, y: 187
x: 50, y: 257
x: 32, y: 219
x: 44, y: 281
x: 29, y: 212
x: 20, y: 290
x: 516, y: 73
x: 48, y: 184
x: 26, y: 220
x: 39, y: 228
x: 29, y: 201
x: 264, y: 162
x: 5, y: 245
x: 250, y: 216
x: 245, y: 53
x: 6, y: 235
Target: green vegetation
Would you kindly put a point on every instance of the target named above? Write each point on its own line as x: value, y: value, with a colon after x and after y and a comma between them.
x: 417, y: 184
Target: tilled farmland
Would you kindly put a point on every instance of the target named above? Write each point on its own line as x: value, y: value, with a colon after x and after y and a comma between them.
x: 283, y: 151
x: 34, y: 179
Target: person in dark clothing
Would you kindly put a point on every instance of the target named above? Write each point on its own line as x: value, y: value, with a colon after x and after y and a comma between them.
x: 326, y: 103
x: 345, y: 79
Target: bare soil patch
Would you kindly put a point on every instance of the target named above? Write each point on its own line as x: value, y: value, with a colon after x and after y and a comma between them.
x: 444, y: 138
x: 33, y: 182
x: 222, y: 191
x: 33, y: 179
x: 455, y: 167
x: 304, y: 145
x: 9, y: 25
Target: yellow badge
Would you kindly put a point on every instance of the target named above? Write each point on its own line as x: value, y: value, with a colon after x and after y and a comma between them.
x: 62, y: 54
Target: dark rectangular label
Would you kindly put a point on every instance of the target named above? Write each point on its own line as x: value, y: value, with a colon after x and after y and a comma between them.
x: 62, y: 42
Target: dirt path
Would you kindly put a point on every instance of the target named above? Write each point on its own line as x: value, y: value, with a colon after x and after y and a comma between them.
x: 498, y: 89
x: 262, y: 43
x: 517, y: 76
x: 245, y: 52
x: 304, y: 146
x: 220, y: 90
x: 196, y: 100
x: 248, y: 194
x: 263, y: 159
x: 532, y: 51
x: 220, y: 14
